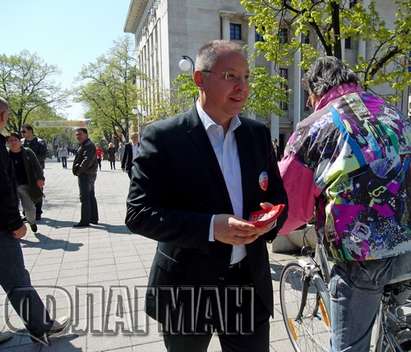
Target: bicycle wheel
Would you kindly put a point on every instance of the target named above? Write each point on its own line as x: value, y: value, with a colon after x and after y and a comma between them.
x: 308, y: 327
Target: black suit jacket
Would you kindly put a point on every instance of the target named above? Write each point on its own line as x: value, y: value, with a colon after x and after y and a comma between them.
x: 127, y: 161
x: 177, y: 186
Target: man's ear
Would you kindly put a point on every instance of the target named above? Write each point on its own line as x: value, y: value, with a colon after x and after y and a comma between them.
x: 198, y: 79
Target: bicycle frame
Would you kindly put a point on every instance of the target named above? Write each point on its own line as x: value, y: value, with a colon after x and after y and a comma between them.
x: 318, y: 271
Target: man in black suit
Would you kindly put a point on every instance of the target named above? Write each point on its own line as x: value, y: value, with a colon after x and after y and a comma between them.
x: 196, y: 179
x: 130, y: 153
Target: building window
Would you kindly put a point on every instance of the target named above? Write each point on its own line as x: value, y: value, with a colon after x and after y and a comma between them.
x: 305, y: 38
x: 258, y: 37
x: 235, y: 31
x: 284, y: 74
x: 347, y: 43
x: 283, y: 35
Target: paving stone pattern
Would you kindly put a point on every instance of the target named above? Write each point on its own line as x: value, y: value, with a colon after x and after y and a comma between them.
x: 96, y: 258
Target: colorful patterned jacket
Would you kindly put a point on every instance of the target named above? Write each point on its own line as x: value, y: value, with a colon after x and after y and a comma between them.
x: 348, y: 163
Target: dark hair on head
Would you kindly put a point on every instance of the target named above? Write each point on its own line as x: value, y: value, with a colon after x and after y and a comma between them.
x: 328, y: 72
x: 81, y: 129
x: 27, y: 126
x: 14, y: 134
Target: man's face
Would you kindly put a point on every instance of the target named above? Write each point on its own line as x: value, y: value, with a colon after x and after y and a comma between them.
x: 14, y: 144
x: 226, y: 85
x: 4, y: 116
x: 81, y: 136
x: 134, y: 139
x: 26, y: 133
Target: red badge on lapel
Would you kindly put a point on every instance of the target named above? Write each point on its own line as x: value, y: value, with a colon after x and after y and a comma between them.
x: 263, y: 180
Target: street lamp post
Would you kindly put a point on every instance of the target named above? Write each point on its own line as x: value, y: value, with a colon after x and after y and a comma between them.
x: 186, y: 63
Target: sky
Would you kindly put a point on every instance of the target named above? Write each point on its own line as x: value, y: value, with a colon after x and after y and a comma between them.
x: 68, y: 34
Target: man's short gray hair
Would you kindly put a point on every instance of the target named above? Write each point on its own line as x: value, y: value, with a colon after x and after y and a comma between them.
x: 4, y: 104
x: 328, y: 72
x: 209, y: 53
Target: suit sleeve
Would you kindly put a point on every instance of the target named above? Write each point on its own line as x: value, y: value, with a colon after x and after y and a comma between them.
x: 276, y: 190
x: 125, y: 156
x: 147, y: 214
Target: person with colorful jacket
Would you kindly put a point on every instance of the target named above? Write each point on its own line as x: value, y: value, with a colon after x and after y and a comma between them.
x: 348, y: 163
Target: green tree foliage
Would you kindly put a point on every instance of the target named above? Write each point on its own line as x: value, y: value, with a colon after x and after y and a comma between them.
x: 109, y: 90
x: 328, y: 22
x: 26, y: 81
x: 180, y: 98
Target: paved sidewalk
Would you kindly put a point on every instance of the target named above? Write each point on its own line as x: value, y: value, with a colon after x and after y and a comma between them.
x: 99, y: 257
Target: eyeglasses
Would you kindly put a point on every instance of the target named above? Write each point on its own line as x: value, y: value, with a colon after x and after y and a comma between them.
x: 23, y: 131
x: 231, y: 77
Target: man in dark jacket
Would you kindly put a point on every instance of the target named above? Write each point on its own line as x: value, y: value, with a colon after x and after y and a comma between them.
x: 14, y: 278
x: 196, y: 180
x: 29, y: 177
x: 130, y: 153
x: 39, y: 147
x: 85, y: 167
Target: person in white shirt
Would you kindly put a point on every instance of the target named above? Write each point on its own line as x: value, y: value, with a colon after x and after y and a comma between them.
x: 130, y: 153
x: 195, y: 181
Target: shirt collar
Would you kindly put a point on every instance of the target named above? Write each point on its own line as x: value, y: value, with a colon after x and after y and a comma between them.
x: 208, y: 122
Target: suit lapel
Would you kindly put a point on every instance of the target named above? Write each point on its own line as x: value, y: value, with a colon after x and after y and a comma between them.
x: 247, y: 164
x: 206, y: 155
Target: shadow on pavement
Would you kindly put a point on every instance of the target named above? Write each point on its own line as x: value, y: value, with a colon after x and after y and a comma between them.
x: 21, y: 342
x: 56, y: 223
x: 276, y: 270
x: 121, y: 229
x: 51, y: 243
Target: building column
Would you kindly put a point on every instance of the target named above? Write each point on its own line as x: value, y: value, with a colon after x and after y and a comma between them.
x: 297, y: 88
x: 251, y: 44
x: 226, y: 26
x: 274, y: 119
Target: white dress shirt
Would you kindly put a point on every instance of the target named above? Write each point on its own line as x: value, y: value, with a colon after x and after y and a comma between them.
x: 225, y: 149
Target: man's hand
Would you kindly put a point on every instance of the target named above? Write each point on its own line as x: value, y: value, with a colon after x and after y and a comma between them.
x: 40, y: 183
x: 20, y: 232
x: 233, y: 230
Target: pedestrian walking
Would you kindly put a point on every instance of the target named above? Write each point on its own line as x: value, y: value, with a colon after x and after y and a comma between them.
x: 130, y: 153
x: 85, y: 168
x: 62, y: 153
x: 120, y: 152
x: 29, y: 177
x: 14, y: 278
x: 39, y: 147
x: 99, y: 155
x: 111, y: 151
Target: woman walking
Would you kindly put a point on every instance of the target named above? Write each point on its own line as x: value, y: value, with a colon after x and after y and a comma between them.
x: 111, y: 151
x: 62, y: 153
x: 29, y: 177
x: 99, y: 155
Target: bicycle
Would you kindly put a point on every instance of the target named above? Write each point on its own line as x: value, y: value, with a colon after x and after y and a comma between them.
x: 305, y: 305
